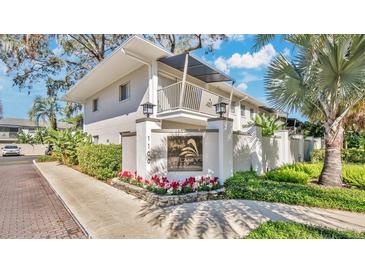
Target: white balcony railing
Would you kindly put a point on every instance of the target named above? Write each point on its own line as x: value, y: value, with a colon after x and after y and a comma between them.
x: 194, y: 98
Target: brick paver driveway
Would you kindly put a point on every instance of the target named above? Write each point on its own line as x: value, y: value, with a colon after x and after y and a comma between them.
x: 28, y: 206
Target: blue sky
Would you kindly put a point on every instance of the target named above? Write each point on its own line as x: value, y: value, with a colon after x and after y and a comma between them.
x: 234, y: 56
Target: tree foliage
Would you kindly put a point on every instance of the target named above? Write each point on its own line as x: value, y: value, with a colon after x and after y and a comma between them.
x: 46, y: 109
x: 61, y: 60
x: 25, y: 138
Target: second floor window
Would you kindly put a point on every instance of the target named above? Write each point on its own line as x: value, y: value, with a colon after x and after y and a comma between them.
x: 243, y: 110
x: 252, y: 112
x: 123, y: 92
x: 233, y: 107
x: 95, y: 104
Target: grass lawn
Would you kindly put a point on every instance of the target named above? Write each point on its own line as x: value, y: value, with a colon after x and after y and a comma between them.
x: 287, y: 230
x: 246, y: 185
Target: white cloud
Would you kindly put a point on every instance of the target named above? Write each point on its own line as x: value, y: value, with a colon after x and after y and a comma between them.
x: 247, y: 60
x: 221, y: 64
x: 255, y: 60
x: 236, y: 37
x: 286, y: 52
x: 242, y: 86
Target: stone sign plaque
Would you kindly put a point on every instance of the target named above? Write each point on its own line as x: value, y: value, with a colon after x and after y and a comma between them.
x: 185, y: 153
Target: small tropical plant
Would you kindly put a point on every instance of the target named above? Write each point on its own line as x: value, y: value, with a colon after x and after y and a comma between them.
x: 40, y: 135
x: 66, y: 143
x: 268, y: 124
x: 25, y: 138
x: 76, y: 121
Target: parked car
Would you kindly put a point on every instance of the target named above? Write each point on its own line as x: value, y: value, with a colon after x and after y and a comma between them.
x: 10, y: 150
x: 49, y: 150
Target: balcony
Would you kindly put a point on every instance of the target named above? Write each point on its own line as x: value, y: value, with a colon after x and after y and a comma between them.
x: 191, y: 98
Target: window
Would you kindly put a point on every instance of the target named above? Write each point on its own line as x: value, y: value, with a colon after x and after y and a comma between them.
x: 243, y: 109
x: 233, y: 107
x: 96, y: 139
x: 123, y: 92
x: 95, y: 104
x: 252, y: 112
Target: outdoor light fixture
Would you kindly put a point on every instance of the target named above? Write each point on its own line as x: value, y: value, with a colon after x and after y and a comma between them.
x: 147, y: 109
x: 220, y: 108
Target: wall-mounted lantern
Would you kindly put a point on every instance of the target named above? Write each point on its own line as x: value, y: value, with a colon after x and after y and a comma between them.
x: 220, y: 108
x: 147, y: 109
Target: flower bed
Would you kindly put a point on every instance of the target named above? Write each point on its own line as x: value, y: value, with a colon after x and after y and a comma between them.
x: 162, y: 192
x: 161, y: 185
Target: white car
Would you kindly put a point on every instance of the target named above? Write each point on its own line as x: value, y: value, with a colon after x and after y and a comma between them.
x: 10, y: 150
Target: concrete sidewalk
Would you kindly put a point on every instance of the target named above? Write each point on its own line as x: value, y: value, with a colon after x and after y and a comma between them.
x: 106, y: 212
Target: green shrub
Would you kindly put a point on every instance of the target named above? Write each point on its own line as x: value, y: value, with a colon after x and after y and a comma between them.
x: 288, y: 175
x: 351, y: 155
x: 313, y: 170
x: 317, y: 155
x: 66, y: 142
x: 236, y: 187
x: 47, y: 158
x: 100, y: 161
x: 354, y: 175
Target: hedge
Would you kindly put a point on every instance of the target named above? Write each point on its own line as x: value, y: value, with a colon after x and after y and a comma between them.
x: 351, y: 155
x: 100, y: 161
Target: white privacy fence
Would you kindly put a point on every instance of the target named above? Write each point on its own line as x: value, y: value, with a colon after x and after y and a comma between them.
x: 266, y: 153
x: 215, y: 151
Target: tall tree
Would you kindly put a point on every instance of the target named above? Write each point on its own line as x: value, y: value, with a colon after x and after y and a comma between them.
x: 46, y: 109
x: 325, y: 81
x: 61, y: 60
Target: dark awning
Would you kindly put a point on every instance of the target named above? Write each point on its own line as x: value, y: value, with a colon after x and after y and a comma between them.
x: 196, y: 68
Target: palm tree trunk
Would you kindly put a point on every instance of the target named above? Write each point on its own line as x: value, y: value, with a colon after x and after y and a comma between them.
x: 332, y: 169
x: 53, y: 122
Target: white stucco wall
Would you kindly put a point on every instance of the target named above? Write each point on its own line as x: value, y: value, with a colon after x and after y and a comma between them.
x: 113, y: 116
x: 247, y: 151
x: 129, y: 153
x: 159, y: 155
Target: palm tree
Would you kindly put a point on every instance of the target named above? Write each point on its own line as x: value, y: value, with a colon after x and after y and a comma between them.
x: 45, y: 109
x: 268, y: 124
x: 325, y: 81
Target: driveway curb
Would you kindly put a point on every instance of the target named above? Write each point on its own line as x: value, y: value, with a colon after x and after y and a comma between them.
x: 39, y: 171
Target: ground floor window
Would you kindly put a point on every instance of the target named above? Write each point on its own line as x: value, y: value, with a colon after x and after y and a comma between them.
x: 96, y: 139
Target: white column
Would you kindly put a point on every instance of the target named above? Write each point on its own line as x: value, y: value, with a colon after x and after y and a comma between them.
x: 184, y: 79
x: 225, y: 146
x: 154, y: 73
x: 144, y: 128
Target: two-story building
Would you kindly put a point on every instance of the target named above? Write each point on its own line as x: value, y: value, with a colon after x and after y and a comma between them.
x: 140, y: 71
x: 184, y: 136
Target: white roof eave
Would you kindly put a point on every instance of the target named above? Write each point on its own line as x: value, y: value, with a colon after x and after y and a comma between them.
x: 113, y: 68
